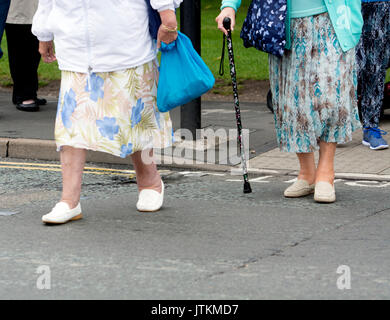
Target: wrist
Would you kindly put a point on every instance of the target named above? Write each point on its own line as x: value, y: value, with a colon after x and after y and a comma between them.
x: 229, y: 10
x: 168, y: 18
x: 46, y: 38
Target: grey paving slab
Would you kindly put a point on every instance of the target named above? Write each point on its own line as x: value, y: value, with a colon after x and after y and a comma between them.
x: 385, y: 172
x: 28, y: 125
x: 352, y: 157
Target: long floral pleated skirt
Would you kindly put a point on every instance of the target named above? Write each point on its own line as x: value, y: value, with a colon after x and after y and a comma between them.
x: 314, y: 87
x: 113, y: 112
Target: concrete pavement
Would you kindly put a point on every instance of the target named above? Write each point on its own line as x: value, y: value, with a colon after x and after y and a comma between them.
x: 30, y: 136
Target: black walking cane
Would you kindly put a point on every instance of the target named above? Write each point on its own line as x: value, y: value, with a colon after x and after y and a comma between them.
x: 227, y: 26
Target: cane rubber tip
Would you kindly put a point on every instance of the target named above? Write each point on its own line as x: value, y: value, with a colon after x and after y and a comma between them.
x: 247, y: 187
x: 227, y: 23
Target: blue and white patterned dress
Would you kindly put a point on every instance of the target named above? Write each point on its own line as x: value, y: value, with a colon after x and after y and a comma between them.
x: 314, y: 88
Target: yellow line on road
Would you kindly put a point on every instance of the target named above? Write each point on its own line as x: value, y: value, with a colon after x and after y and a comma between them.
x: 30, y: 168
x: 30, y: 164
x: 130, y: 175
x: 21, y: 165
x: 59, y: 166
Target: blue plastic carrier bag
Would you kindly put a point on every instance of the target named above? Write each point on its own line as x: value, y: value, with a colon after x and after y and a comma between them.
x: 183, y: 74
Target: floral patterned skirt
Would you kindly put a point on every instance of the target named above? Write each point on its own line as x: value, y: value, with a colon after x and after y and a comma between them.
x: 113, y: 112
x: 314, y: 87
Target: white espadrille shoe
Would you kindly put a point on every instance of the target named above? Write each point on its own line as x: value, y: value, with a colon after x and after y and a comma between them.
x: 324, y: 192
x: 62, y: 213
x: 150, y: 200
x: 299, y: 188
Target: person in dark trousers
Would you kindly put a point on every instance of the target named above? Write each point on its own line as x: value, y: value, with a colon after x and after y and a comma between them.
x: 4, y: 5
x: 373, y: 59
x: 23, y: 55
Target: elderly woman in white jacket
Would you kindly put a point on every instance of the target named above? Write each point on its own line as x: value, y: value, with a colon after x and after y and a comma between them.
x: 108, y: 90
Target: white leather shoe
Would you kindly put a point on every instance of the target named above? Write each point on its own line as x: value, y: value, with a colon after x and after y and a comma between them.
x: 61, y: 213
x: 150, y: 200
x: 299, y: 188
x: 324, y: 192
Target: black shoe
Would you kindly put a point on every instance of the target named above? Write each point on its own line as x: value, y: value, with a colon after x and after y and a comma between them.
x: 31, y: 107
x: 40, y: 102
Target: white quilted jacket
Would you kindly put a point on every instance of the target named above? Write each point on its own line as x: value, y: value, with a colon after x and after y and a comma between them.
x: 98, y: 35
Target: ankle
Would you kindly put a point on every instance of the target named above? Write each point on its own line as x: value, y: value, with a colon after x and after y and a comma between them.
x: 307, y: 176
x: 154, y: 183
x: 72, y: 204
x: 325, y: 176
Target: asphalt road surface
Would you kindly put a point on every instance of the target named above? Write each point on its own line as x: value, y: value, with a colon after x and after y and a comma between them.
x: 210, y: 241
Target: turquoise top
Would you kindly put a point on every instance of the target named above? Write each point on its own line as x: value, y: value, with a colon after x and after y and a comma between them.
x: 304, y: 8
x: 346, y: 17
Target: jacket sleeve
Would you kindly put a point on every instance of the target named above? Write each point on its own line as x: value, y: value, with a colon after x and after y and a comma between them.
x: 39, y: 27
x: 161, y: 5
x: 235, y: 4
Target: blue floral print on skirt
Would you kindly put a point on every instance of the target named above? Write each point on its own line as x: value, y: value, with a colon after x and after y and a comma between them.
x: 113, y: 112
x: 314, y: 87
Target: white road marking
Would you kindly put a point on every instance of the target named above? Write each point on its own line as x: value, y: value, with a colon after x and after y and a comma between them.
x: 368, y: 184
x: 259, y: 179
x: 366, y: 176
x: 193, y: 173
x: 238, y: 171
x: 201, y: 174
x: 295, y: 179
x: 8, y: 213
x: 291, y: 181
x: 220, y: 111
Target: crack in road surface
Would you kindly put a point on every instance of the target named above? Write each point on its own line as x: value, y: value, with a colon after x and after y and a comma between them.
x: 279, y: 252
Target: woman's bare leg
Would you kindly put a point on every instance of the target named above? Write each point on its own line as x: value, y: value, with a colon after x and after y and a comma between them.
x: 325, y: 169
x: 147, y: 174
x: 307, y: 167
x: 72, y: 163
